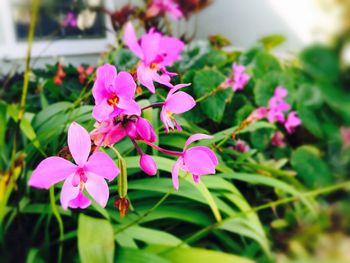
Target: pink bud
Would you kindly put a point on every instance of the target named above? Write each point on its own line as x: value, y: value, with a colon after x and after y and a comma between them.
x: 145, y: 130
x: 131, y: 130
x: 148, y: 165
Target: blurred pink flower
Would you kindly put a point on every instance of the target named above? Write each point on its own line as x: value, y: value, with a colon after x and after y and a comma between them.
x: 84, y: 73
x: 292, y: 122
x: 278, y: 139
x: 198, y: 160
x: 70, y: 20
x: 156, y: 52
x: 239, y: 78
x: 241, y: 146
x: 164, y: 6
x: 88, y: 172
x: 277, y: 106
x: 113, y: 93
x: 345, y: 136
x: 148, y: 165
x: 175, y: 103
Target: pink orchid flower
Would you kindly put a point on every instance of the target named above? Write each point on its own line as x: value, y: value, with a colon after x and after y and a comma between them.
x: 241, y: 146
x: 277, y: 106
x: 88, y: 172
x: 278, y: 139
x: 197, y: 160
x: 239, y: 78
x: 292, y: 122
x: 70, y: 20
x: 175, y: 103
x: 164, y: 6
x: 107, y: 133
x: 156, y: 52
x: 113, y: 93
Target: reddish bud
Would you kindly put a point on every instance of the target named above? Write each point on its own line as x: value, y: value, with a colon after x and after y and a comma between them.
x: 148, y: 165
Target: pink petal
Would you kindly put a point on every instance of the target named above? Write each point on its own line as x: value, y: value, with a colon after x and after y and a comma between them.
x: 196, y: 137
x: 105, y: 79
x: 199, y: 162
x: 209, y: 152
x: 51, y: 171
x: 79, y: 143
x: 101, y: 164
x: 102, y: 111
x: 145, y: 130
x: 281, y: 92
x: 145, y: 76
x: 125, y: 85
x: 176, y: 88
x: 129, y: 106
x: 116, y: 134
x: 172, y: 48
x: 68, y: 192
x: 180, y: 102
x: 175, y: 173
x: 81, y: 201
x: 97, y: 188
x: 166, y: 120
x: 131, y: 40
x: 163, y: 79
x: 150, y: 44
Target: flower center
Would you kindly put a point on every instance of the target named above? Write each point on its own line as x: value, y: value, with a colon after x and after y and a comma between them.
x: 169, y: 114
x: 113, y: 101
x: 79, y: 179
x: 153, y: 66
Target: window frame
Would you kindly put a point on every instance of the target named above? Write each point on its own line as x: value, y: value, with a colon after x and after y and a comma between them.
x: 11, y: 48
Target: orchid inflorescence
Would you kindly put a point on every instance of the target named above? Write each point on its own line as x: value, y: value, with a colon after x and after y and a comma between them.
x: 118, y: 115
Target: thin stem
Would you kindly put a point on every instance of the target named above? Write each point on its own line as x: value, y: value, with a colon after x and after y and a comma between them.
x: 116, y: 152
x: 139, y: 150
x: 139, y: 219
x: 174, y: 153
x: 60, y: 223
x: 153, y: 105
x: 213, y: 92
x: 282, y: 201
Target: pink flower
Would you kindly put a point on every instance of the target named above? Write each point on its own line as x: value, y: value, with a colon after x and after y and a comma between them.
x: 148, y: 165
x: 113, y: 94
x: 292, y: 122
x: 198, y: 160
x: 278, y: 139
x: 345, y: 136
x: 107, y: 133
x: 175, y: 103
x: 239, y: 78
x: 164, y: 6
x: 241, y: 146
x: 277, y: 106
x: 156, y: 52
x: 258, y: 114
x: 70, y: 20
x: 88, y: 172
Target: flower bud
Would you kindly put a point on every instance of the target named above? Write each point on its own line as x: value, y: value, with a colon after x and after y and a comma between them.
x: 145, y: 130
x: 148, y: 165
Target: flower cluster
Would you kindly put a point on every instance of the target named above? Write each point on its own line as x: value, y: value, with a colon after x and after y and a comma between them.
x: 84, y: 73
x: 60, y: 75
x: 239, y: 78
x: 118, y: 115
x: 275, y: 112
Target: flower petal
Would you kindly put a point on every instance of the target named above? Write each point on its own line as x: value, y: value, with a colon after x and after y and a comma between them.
x: 97, y: 188
x: 68, y: 192
x: 101, y: 164
x: 105, y: 76
x: 150, y: 44
x: 102, y: 111
x: 79, y: 143
x: 81, y: 201
x: 172, y: 48
x: 51, y: 171
x: 125, y: 85
x: 131, y: 40
x: 175, y: 173
x: 209, y: 152
x: 145, y: 76
x: 199, y: 162
x: 129, y: 106
x: 196, y: 137
x: 180, y: 102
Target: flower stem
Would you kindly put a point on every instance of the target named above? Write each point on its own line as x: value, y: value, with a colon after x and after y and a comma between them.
x: 174, y: 153
x: 60, y: 223
x: 153, y: 105
x: 211, y: 93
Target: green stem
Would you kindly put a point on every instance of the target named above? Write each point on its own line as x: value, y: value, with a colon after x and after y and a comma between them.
x: 213, y: 92
x: 139, y: 219
x: 60, y: 223
x: 282, y: 201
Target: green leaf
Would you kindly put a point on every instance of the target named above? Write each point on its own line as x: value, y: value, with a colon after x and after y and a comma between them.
x: 95, y: 240
x: 310, y: 120
x: 204, y: 82
x: 129, y: 255
x: 272, y: 41
x: 312, y: 170
x: 321, y: 62
x: 265, y: 63
x: 181, y: 254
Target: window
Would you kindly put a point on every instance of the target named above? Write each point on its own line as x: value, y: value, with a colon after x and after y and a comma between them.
x: 65, y: 27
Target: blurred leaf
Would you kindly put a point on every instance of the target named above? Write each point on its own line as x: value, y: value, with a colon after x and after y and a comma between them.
x: 95, y: 240
x: 311, y: 169
x: 128, y: 255
x: 265, y: 63
x: 272, y: 41
x: 204, y: 82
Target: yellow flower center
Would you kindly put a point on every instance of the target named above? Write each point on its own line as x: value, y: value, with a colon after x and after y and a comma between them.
x: 113, y: 101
